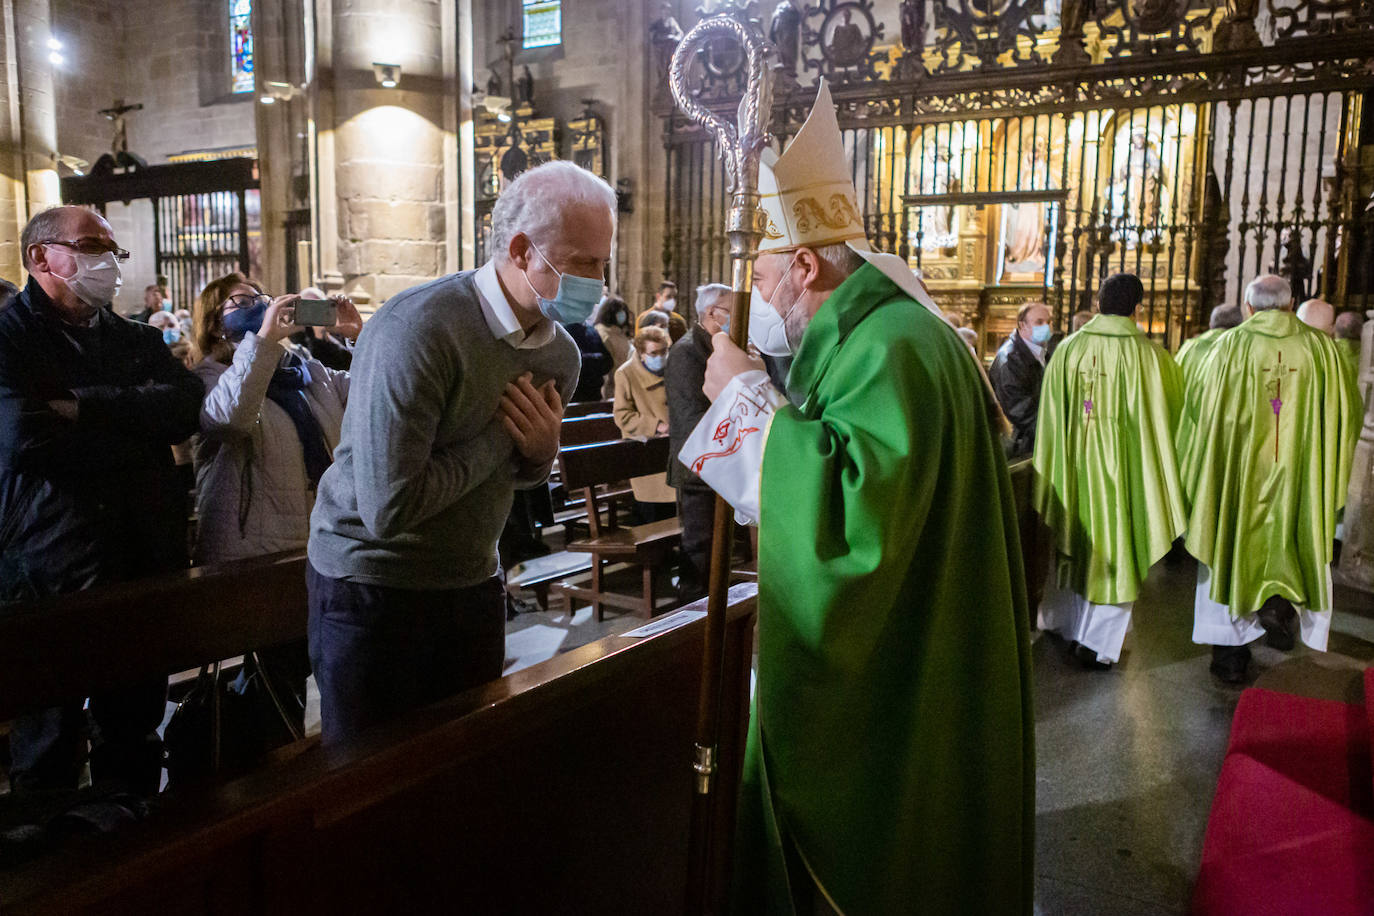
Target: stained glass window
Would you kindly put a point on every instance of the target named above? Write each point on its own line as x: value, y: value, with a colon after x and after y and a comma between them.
x: 543, y: 21
x: 241, y: 45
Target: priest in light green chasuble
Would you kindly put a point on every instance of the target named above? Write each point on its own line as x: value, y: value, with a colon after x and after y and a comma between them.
x: 1277, y: 418
x: 1347, y: 331
x: 1106, y: 481
x: 891, y: 757
x: 1191, y: 355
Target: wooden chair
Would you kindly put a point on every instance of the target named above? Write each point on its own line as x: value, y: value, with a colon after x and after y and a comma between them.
x: 586, y: 467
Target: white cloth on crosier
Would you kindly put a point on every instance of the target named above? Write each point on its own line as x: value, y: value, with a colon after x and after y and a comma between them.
x: 1100, y: 627
x: 726, y: 447
x: 1213, y: 623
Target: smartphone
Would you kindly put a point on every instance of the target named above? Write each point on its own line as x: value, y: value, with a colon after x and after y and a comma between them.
x: 316, y: 313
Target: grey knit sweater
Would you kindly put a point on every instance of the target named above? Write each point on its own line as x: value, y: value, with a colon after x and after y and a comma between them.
x: 424, y: 472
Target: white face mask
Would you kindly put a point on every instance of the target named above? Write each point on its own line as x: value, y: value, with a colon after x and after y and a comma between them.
x: 668, y: 305
x: 96, y: 279
x: 768, y: 329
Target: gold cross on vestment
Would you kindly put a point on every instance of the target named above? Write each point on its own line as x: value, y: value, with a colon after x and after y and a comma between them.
x: 1090, y: 377
x: 1275, y: 386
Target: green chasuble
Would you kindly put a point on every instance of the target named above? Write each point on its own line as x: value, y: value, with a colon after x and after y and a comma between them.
x: 1277, y: 419
x: 1106, y: 480
x: 1350, y: 358
x: 1192, y: 354
x: 891, y: 757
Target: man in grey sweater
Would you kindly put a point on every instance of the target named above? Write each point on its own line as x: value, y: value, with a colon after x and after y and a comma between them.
x: 458, y: 387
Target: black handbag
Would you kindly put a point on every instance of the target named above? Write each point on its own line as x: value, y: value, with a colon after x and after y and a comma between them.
x: 222, y: 728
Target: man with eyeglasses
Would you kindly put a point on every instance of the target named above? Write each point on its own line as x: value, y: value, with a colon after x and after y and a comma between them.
x: 90, y: 404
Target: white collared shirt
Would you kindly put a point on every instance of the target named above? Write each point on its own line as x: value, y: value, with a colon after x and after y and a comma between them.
x: 1037, y: 350
x: 500, y: 317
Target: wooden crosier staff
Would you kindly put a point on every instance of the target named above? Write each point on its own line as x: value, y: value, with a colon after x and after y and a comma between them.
x: 740, y: 145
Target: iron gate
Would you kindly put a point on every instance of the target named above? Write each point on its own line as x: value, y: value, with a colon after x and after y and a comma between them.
x: 1011, y: 155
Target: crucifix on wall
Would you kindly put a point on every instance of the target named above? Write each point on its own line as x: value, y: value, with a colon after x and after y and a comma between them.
x: 116, y: 113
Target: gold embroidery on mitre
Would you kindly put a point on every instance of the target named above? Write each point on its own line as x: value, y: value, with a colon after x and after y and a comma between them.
x: 772, y: 231
x: 842, y: 214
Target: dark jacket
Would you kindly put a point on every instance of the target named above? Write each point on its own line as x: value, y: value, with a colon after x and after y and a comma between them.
x: 1016, y: 377
x: 596, y: 361
x: 330, y: 353
x: 687, y: 403
x: 96, y: 499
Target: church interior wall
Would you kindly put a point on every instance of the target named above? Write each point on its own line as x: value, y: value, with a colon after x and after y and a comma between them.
x: 603, y: 56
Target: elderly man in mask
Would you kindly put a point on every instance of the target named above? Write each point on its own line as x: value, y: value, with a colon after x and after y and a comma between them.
x: 1277, y: 417
x: 893, y: 673
x: 457, y: 391
x: 90, y: 405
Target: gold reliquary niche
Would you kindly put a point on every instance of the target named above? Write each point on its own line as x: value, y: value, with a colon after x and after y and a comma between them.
x: 1004, y: 202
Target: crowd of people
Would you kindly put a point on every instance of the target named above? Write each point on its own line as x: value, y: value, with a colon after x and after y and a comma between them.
x: 392, y: 451
x: 1240, y: 446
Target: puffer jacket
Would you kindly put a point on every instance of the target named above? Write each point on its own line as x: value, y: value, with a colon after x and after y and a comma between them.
x: 252, y: 493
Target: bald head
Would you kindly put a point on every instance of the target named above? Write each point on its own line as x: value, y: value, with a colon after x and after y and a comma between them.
x: 1225, y: 316
x: 1317, y: 314
x: 1348, y: 326
x: 1268, y: 292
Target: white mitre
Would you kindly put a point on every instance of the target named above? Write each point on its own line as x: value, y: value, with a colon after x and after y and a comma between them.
x: 810, y: 199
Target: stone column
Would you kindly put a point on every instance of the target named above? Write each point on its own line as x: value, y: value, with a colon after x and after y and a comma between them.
x: 28, y: 125
x: 387, y: 148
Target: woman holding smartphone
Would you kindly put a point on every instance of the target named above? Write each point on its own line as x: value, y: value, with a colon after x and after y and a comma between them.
x: 268, y: 429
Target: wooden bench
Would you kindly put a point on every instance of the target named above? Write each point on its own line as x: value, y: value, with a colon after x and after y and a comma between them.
x: 649, y: 546
x: 71, y: 646
x: 582, y: 408
x: 597, y: 427
x: 563, y: 788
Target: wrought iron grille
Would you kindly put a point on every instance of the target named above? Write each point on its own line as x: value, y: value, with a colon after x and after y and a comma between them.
x: 1014, y: 152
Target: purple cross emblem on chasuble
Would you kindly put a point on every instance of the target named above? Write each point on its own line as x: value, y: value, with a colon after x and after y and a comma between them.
x: 1275, y: 391
x: 1090, y: 377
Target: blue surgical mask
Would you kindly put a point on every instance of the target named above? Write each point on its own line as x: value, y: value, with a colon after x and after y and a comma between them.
x: 576, y: 298
x: 166, y: 305
x: 653, y: 363
x: 171, y: 335
x: 1041, y: 333
x: 239, y: 322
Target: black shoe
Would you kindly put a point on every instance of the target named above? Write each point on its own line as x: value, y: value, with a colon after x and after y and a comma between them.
x: 1088, y: 658
x: 1277, y: 616
x: 1230, y: 662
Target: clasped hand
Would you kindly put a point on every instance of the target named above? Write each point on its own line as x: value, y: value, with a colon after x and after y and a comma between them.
x: 532, y: 417
x: 726, y: 362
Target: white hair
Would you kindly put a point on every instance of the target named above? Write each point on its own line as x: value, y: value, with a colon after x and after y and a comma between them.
x: 710, y: 294
x: 841, y: 257
x: 1268, y: 292
x: 534, y: 202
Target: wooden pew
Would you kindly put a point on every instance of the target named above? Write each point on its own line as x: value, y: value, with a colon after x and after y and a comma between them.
x: 120, y: 635
x: 563, y: 788
x: 596, y: 427
x: 582, y: 408
x: 587, y: 467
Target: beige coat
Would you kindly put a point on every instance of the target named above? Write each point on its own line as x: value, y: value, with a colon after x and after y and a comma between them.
x: 641, y: 401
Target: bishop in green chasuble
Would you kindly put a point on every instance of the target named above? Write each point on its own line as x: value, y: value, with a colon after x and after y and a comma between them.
x: 1106, y: 479
x: 1277, y: 416
x: 891, y: 757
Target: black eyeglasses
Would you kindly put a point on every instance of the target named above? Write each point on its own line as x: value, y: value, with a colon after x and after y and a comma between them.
x: 90, y: 246
x: 245, y: 300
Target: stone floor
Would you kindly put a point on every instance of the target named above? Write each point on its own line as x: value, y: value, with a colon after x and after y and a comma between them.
x: 1128, y: 758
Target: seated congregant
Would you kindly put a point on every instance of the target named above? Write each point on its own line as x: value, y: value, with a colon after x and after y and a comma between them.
x: 641, y: 412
